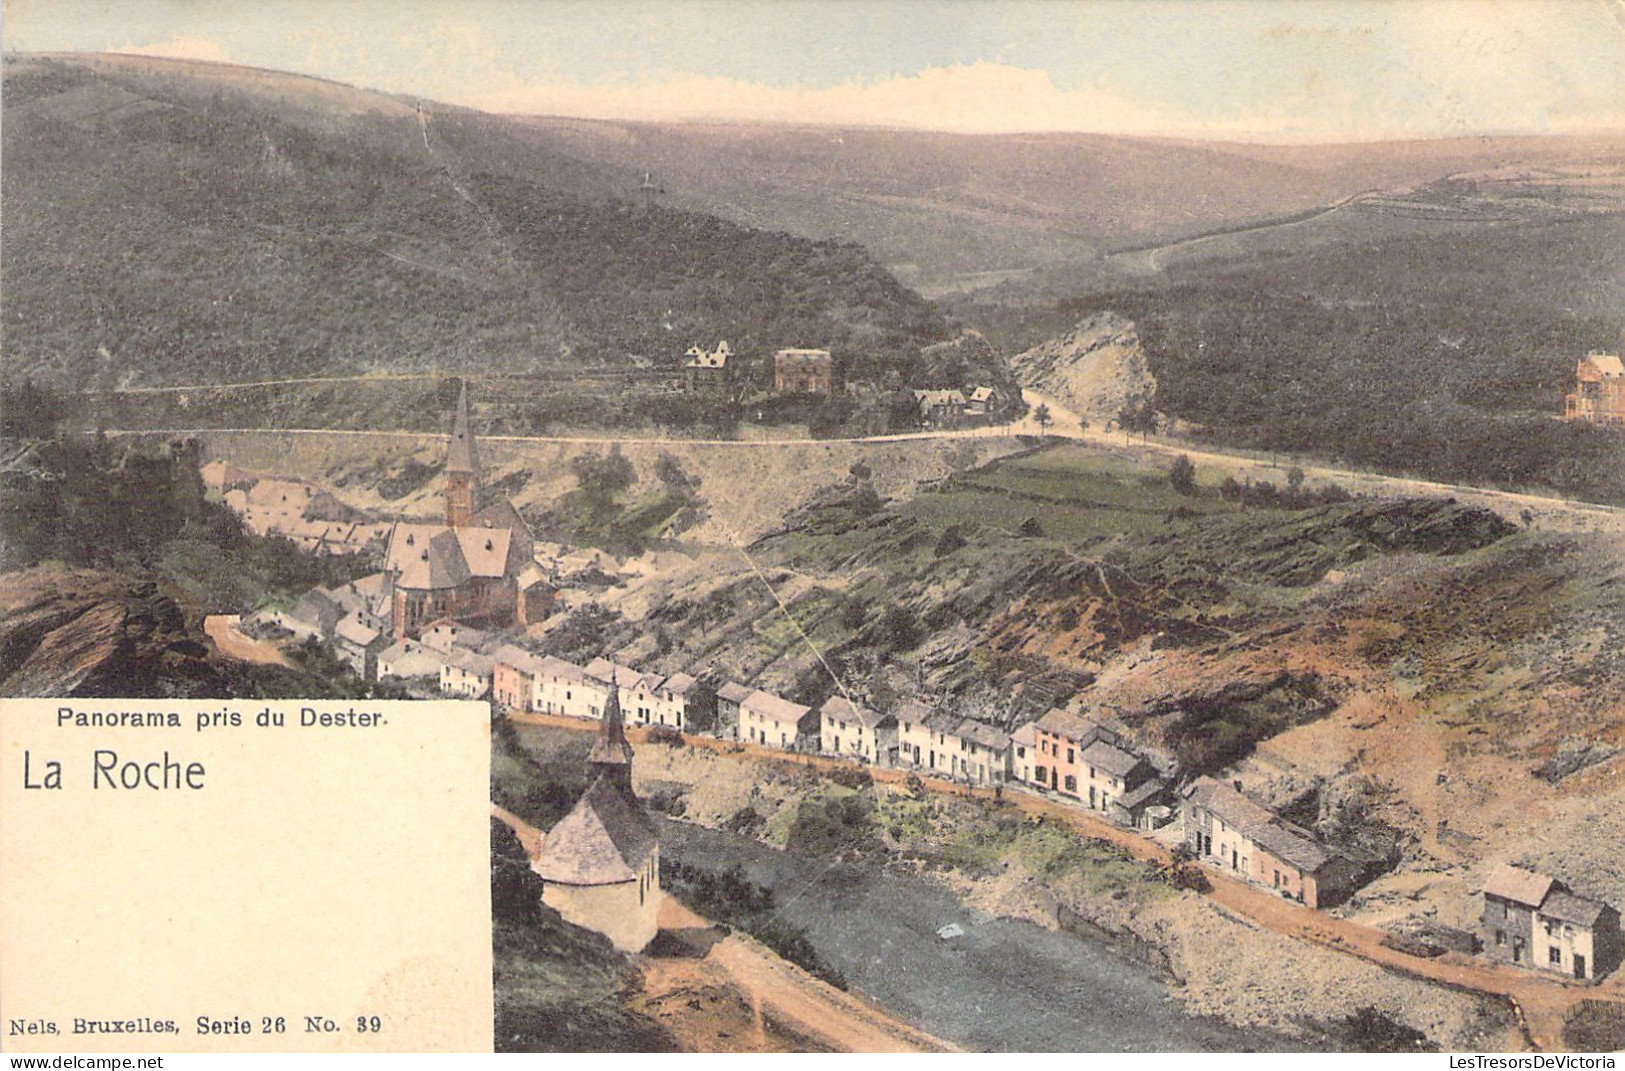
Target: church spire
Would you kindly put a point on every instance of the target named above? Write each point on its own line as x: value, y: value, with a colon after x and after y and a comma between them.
x: 462, y: 453
x: 611, y: 755
x: 462, y: 467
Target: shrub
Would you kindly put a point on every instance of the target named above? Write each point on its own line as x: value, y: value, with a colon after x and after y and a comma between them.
x: 1182, y: 475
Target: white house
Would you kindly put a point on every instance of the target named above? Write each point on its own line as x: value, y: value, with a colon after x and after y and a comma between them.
x: 766, y: 719
x: 564, y: 688
x: 855, y: 732
x: 466, y: 674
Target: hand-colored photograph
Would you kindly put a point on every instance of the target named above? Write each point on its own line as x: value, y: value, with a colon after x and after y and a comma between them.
x: 1048, y: 526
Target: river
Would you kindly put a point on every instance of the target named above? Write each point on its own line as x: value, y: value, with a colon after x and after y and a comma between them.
x: 1003, y: 986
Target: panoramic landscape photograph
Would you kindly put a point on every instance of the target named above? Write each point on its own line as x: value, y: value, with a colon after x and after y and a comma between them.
x: 982, y: 526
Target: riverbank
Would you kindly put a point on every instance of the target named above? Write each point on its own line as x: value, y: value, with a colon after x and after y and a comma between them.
x: 1014, y: 865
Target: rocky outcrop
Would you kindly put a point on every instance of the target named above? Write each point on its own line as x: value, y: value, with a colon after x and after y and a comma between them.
x: 80, y: 632
x: 1095, y: 369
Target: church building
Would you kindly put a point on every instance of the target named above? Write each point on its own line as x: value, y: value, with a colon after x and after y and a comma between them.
x: 600, y: 866
x: 468, y: 568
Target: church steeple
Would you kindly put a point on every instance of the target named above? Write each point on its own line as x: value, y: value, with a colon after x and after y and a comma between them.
x: 611, y: 756
x: 462, y: 467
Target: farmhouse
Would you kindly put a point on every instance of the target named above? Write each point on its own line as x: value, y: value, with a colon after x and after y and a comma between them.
x: 1535, y: 921
x: 600, y: 866
x: 1062, y: 737
x: 926, y: 738
x: 803, y: 371
x: 1599, y: 390
x: 939, y: 406
x: 1248, y: 839
x: 564, y: 688
x: 984, y: 753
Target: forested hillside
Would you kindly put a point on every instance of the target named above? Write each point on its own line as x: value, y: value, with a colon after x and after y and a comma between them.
x: 167, y: 224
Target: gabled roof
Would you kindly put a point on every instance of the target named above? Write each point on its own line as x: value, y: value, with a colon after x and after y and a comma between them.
x: 1114, y: 760
x: 912, y: 710
x: 428, y: 557
x: 1147, y: 792
x: 353, y: 630
x: 604, y: 840
x: 500, y: 513
x: 517, y: 658
x: 603, y: 670
x: 774, y: 708
x: 734, y: 692
x: 485, y: 550
x: 558, y: 667
x: 837, y: 706
x: 1067, y: 725
x: 471, y: 662
x: 1282, y: 839
x: 981, y: 733
x: 1607, y: 364
x: 680, y: 683
x: 446, y: 633
x: 940, y: 721
x: 1518, y: 885
x: 411, y: 659
x: 1567, y: 907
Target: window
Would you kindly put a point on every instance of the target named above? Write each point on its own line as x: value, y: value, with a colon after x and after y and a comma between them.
x: 1555, y: 955
x: 1071, y: 783
x: 1071, y: 756
x: 1041, y: 772
x: 1500, y: 937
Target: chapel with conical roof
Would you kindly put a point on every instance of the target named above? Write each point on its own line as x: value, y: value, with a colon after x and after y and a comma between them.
x: 600, y: 866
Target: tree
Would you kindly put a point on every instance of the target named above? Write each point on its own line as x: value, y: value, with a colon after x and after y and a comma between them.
x: 1182, y: 475
x: 1137, y: 415
x: 1294, y: 480
x: 1042, y: 417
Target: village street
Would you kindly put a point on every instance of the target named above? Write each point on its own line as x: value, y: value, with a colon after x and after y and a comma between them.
x: 1540, y: 1000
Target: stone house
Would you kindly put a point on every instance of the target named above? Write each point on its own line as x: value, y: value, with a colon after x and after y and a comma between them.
x: 1224, y: 826
x: 359, y: 644
x: 856, y: 732
x: 939, y: 406
x: 803, y: 371
x: 1062, y: 738
x: 1532, y: 920
x: 729, y: 698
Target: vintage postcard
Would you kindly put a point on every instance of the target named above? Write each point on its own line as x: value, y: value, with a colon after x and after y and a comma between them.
x: 873, y: 526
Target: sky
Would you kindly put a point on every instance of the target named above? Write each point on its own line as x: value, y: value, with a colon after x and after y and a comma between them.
x: 1266, y: 70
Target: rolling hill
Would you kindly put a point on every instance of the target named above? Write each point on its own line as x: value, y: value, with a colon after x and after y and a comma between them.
x: 174, y: 222
x: 954, y: 212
